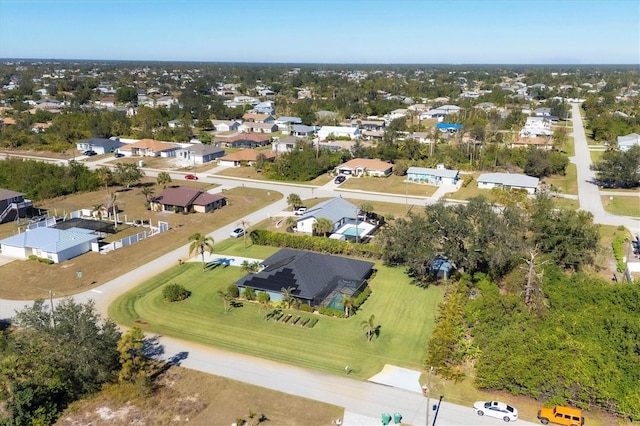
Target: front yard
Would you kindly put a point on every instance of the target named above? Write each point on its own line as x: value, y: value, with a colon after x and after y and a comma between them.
x: 405, y: 313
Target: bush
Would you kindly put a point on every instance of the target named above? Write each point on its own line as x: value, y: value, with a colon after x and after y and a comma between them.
x: 233, y: 291
x: 617, y: 244
x: 466, y: 180
x: 249, y: 293
x: 306, y: 308
x: 175, y: 293
x: 41, y: 259
x: 331, y: 312
x: 263, y: 297
x: 362, y: 297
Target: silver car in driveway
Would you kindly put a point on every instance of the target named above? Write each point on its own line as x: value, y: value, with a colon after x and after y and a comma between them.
x: 237, y: 233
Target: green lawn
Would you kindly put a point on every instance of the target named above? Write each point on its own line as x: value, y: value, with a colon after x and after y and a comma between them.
x: 622, y: 205
x: 391, y: 185
x: 596, y: 155
x: 567, y: 184
x: 405, y: 313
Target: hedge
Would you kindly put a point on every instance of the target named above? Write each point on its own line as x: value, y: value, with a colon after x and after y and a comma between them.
x: 318, y: 244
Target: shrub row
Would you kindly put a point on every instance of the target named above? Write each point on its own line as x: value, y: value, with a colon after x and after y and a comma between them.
x: 618, y: 251
x: 319, y: 244
x: 331, y: 312
x: 41, y: 259
x: 362, y: 297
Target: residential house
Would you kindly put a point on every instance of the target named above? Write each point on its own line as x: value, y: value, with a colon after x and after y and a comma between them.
x: 338, y: 132
x: 440, y: 112
x: 225, y: 125
x: 285, y: 123
x: 40, y: 127
x: 109, y: 101
x: 395, y: 114
x: 265, y: 107
x: 253, y: 117
x: 148, y: 148
x: 449, y: 128
x: 8, y: 121
x: 316, y: 279
x: 199, y: 153
x: 542, y: 112
x: 365, y: 167
x: 372, y: 125
x: 536, y: 126
x: 279, y: 146
x: 165, y: 101
x: 51, y: 105
x: 57, y: 245
x: 243, y: 140
x: 625, y: 143
x: 302, y: 131
x: 373, y: 135
x: 508, y: 181
x: 245, y: 156
x: 438, y: 176
x: 186, y: 199
x: 337, y: 210
x: 13, y: 205
x: 304, y: 94
x: 421, y: 137
x: 99, y: 145
x: 250, y: 127
x: 542, y: 142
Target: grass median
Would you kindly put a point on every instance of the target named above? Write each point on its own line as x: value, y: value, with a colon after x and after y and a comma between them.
x: 404, y: 312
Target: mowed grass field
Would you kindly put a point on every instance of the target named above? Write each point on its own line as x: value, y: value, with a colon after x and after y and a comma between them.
x: 404, y: 312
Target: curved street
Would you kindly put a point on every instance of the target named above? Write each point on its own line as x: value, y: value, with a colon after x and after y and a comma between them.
x: 363, y: 401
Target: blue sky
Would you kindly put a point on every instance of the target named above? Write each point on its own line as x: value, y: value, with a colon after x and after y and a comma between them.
x: 325, y: 31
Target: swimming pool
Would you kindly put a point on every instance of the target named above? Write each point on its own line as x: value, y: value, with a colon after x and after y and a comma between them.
x: 353, y: 231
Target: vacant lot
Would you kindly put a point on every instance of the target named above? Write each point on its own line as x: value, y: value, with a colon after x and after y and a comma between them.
x: 190, y: 397
x: 404, y: 312
x: 36, y: 279
x: 622, y: 205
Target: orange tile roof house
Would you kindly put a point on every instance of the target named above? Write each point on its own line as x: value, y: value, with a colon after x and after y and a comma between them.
x: 185, y: 199
x: 149, y: 148
x: 246, y: 156
x: 365, y: 167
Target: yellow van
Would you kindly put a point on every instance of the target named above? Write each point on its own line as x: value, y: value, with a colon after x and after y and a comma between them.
x: 561, y: 415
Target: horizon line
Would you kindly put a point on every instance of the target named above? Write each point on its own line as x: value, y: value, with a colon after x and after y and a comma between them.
x: 3, y: 59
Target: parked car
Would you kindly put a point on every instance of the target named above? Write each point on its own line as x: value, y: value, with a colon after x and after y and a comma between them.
x: 191, y: 177
x: 299, y: 211
x: 339, y: 179
x: 237, y: 233
x: 561, y: 415
x: 496, y: 409
x: 90, y: 153
x: 118, y: 155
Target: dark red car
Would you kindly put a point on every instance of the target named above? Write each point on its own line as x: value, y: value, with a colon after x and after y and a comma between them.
x: 191, y: 177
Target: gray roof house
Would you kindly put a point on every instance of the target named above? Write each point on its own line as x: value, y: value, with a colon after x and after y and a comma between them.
x: 509, y: 181
x: 99, y: 145
x: 437, y: 176
x: 57, y: 245
x: 625, y: 143
x: 337, y: 210
x: 200, y: 153
x: 302, y: 131
x: 315, y: 278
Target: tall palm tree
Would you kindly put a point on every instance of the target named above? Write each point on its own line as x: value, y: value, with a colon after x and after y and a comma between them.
x: 347, y: 303
x: 105, y: 176
x: 199, y: 244
x: 287, y: 296
x: 294, y: 201
x: 112, y: 207
x: 164, y: 178
x: 147, y: 191
x: 370, y: 328
x: 244, y: 224
x: 290, y: 222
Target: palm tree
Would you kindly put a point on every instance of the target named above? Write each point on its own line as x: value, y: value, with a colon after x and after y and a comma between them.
x: 112, y: 199
x: 366, y: 208
x: 105, y: 176
x: 347, y: 303
x: 199, y: 244
x: 164, y: 178
x: 287, y: 296
x: 370, y: 328
x: 227, y: 298
x: 244, y: 225
x: 290, y: 222
x: 147, y: 191
x: 323, y: 226
x: 294, y: 201
x: 97, y: 208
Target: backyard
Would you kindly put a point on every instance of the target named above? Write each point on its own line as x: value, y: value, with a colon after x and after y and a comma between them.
x: 244, y: 329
